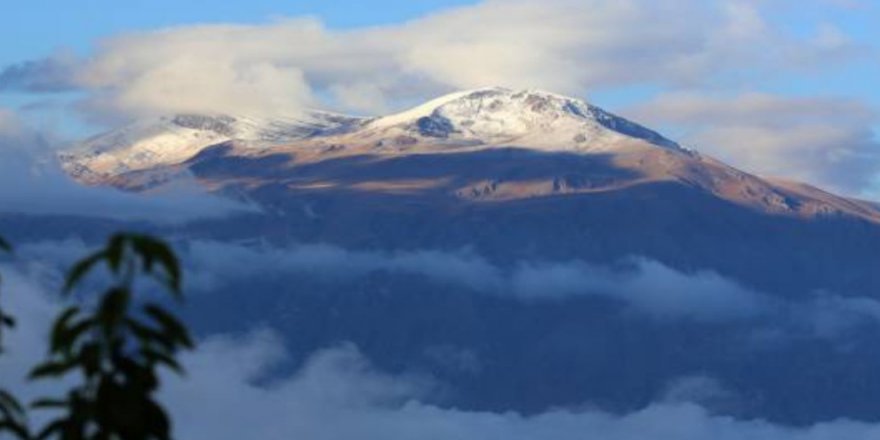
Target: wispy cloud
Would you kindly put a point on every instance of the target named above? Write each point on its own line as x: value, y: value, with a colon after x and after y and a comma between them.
x: 646, y: 286
x: 642, y: 286
x: 53, y: 74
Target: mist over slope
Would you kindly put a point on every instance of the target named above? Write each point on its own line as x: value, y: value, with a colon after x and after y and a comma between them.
x: 527, y: 250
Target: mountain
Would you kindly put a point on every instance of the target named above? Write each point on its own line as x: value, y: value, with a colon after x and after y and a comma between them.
x: 415, y: 236
x: 479, y: 122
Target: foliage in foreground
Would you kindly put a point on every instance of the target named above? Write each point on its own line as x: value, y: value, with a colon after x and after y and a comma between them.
x: 115, y: 345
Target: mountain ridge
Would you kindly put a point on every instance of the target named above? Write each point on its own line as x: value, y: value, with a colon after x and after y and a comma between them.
x: 462, y: 122
x: 181, y: 136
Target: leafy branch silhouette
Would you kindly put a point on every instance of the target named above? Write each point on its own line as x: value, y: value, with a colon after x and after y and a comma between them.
x: 117, y: 345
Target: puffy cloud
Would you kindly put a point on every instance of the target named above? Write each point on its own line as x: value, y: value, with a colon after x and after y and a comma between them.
x: 337, y: 395
x: 825, y: 141
x: 567, y: 46
x: 224, y: 68
x: 32, y: 182
x: 564, y: 45
x: 649, y: 286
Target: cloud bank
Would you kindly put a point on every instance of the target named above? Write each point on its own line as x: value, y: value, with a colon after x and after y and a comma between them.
x: 233, y: 389
x: 337, y: 394
x: 643, y: 286
x: 827, y: 141
x: 32, y: 182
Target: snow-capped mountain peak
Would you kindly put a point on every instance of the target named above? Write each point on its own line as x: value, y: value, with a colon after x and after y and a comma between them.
x: 532, y: 118
x: 169, y: 140
x: 494, y: 116
x: 581, y: 149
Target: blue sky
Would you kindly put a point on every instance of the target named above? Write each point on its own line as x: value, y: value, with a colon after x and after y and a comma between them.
x: 791, y: 85
x: 28, y: 31
x: 31, y: 29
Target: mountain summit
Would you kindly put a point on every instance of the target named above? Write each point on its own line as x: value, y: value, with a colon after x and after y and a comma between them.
x: 489, y: 116
x: 530, y: 118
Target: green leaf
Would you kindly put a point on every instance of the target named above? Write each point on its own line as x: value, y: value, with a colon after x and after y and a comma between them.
x: 148, y: 335
x: 17, y: 429
x: 9, y: 402
x: 59, y: 426
x: 49, y: 404
x: 171, y: 325
x: 113, y: 308
x: 90, y: 359
x: 115, y: 250
x: 73, y: 333
x: 157, y: 421
x: 81, y: 268
x: 140, y: 378
x: 157, y: 357
x: 59, y: 329
x: 12, y: 416
x: 53, y: 368
x: 151, y: 250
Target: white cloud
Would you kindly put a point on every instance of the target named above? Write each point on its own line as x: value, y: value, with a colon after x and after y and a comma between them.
x: 234, y: 390
x: 824, y: 141
x: 563, y: 45
x: 25, y: 297
x: 214, y: 263
x: 32, y: 182
x: 337, y: 395
x: 568, y: 46
x: 650, y: 287
x: 647, y: 286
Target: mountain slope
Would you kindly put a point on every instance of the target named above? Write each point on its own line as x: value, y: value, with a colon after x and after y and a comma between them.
x: 525, y: 118
x: 147, y: 154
